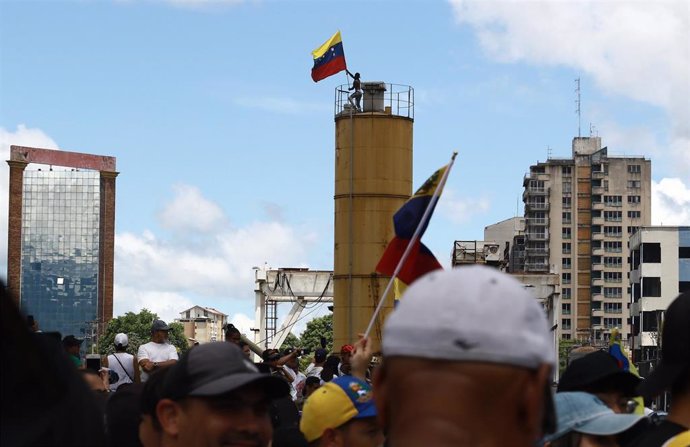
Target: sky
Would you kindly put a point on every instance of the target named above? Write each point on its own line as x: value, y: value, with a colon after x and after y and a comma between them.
x: 225, y: 146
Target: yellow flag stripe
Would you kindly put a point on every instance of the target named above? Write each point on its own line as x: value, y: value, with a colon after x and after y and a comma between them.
x: 335, y: 38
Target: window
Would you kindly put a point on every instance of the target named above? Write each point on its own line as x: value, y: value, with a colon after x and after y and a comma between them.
x: 651, y: 252
x: 567, y: 217
x: 567, y: 201
x: 633, y: 214
x: 567, y: 186
x: 613, y: 276
x: 566, y: 292
x: 566, y: 170
x: 683, y: 286
x: 565, y: 324
x: 684, y: 252
x: 565, y: 278
x: 632, y: 230
x: 613, y: 292
x: 613, y: 200
x: 633, y: 199
x: 610, y: 323
x: 567, y: 248
x: 566, y: 263
x: 567, y: 232
x: 634, y: 169
x: 650, y: 321
x: 613, y: 261
x: 565, y: 336
x: 613, y: 231
x: 613, y: 247
x: 565, y: 309
x: 651, y: 286
x: 634, y: 184
x: 613, y: 308
x: 613, y: 216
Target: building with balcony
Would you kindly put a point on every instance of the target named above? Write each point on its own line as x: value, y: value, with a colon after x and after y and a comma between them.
x: 203, y: 324
x: 579, y: 214
x: 659, y: 262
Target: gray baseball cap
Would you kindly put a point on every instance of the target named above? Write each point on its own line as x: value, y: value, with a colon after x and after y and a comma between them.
x: 159, y: 325
x: 471, y: 314
x: 212, y: 369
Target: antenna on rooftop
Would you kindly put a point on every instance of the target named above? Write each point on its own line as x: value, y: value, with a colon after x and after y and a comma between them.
x: 548, y: 152
x: 578, y: 103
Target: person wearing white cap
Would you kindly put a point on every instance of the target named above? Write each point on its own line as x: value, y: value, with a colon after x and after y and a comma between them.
x: 467, y: 361
x: 123, y: 363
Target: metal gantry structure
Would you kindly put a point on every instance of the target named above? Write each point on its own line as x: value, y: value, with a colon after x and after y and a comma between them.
x: 305, y: 289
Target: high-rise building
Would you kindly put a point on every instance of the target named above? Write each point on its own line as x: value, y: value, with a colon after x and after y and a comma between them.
x: 580, y: 213
x: 61, y: 238
x: 659, y: 259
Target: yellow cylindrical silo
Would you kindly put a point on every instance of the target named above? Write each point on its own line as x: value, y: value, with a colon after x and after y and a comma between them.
x: 373, y: 178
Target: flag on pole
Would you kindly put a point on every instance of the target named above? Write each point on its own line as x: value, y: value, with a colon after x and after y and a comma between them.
x: 405, y: 221
x: 329, y: 58
x: 619, y: 353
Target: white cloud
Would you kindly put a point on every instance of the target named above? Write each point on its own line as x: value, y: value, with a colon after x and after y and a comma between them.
x: 670, y: 202
x: 22, y: 136
x: 191, y: 212
x: 244, y: 323
x: 167, y: 305
x: 461, y: 209
x: 217, y: 267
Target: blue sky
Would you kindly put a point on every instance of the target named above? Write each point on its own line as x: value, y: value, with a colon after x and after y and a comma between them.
x: 225, y: 145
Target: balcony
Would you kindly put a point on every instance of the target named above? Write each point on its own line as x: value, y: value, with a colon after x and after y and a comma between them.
x: 536, y: 206
x: 536, y: 267
x: 598, y: 190
x: 598, y: 267
x: 597, y: 220
x: 597, y: 313
x: 597, y: 236
x: 536, y: 251
x: 531, y: 191
x: 599, y: 174
x: 537, y: 221
x: 537, y: 236
x: 597, y: 205
x: 598, y: 282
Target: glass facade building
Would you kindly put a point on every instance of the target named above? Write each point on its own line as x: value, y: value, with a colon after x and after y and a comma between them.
x: 60, y: 249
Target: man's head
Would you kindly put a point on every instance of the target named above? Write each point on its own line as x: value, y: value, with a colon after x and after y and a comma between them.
x: 72, y: 344
x: 310, y: 385
x: 320, y: 356
x: 472, y: 335
x: 356, y: 75
x: 232, y: 334
x: 341, y: 414
x: 598, y: 373
x: 215, y: 396
x: 673, y: 373
x: 121, y: 342
x: 159, y: 331
x: 245, y: 350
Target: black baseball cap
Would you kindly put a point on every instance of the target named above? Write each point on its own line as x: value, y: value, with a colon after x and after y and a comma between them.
x: 159, y: 325
x: 597, y: 372
x: 675, y: 349
x: 71, y: 340
x: 217, y: 368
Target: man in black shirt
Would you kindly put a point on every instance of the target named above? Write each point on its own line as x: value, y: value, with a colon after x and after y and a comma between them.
x: 673, y: 373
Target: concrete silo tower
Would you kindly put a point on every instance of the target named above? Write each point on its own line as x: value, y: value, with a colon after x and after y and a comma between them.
x: 373, y: 178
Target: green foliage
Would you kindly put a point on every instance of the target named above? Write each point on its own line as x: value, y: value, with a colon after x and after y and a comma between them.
x: 317, y: 328
x: 138, y: 330
x: 564, y: 347
x: 291, y: 341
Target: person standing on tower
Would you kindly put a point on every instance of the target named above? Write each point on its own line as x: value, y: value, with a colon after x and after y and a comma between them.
x: 357, y: 87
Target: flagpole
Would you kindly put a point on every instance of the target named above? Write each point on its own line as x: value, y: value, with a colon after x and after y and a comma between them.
x: 408, y: 249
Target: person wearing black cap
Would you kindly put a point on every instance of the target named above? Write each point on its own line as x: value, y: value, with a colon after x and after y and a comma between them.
x: 72, y: 346
x: 598, y: 373
x: 215, y: 396
x: 157, y: 353
x: 672, y: 374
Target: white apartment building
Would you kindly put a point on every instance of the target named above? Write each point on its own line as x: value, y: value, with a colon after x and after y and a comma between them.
x: 203, y: 324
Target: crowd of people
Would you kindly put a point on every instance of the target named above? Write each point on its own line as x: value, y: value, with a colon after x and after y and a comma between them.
x: 466, y: 359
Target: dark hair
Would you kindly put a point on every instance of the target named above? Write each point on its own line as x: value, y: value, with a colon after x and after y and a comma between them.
x: 682, y: 384
x: 230, y: 329
x: 312, y: 380
x: 152, y: 393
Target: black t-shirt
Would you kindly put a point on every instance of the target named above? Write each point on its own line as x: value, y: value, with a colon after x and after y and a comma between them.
x: 658, y: 434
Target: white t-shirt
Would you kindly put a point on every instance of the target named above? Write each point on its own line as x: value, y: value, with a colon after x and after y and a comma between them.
x: 127, y: 361
x: 298, y: 382
x: 314, y: 371
x: 156, y: 352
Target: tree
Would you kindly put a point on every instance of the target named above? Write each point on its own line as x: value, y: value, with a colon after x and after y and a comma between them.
x: 564, y: 348
x: 291, y: 341
x: 138, y: 330
x: 317, y: 328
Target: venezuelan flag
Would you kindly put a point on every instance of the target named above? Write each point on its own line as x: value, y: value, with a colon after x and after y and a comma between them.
x: 329, y: 58
x: 405, y: 221
x: 618, y: 352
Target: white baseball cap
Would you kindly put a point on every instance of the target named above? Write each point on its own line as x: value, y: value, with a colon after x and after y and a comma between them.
x: 470, y: 314
x: 121, y: 339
